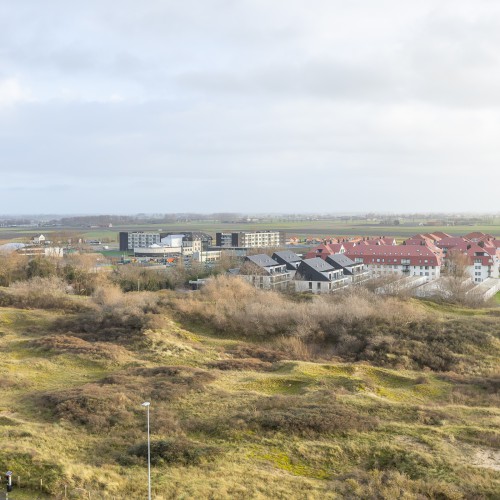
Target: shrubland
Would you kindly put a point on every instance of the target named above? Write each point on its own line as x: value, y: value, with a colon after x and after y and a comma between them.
x: 253, y: 394
x: 357, y: 325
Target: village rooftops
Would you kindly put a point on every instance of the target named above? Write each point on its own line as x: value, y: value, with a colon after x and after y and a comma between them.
x: 394, y: 254
x: 451, y: 242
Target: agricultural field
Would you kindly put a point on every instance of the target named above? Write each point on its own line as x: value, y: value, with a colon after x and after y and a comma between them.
x: 313, y: 228
x: 383, y: 405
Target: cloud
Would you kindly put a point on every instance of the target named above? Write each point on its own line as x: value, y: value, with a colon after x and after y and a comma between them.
x: 208, y: 106
x: 12, y: 92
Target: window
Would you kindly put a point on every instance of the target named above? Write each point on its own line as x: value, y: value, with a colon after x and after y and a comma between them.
x: 310, y: 285
x: 318, y: 285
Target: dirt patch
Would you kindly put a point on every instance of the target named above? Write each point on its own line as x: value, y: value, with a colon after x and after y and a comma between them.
x: 486, y: 458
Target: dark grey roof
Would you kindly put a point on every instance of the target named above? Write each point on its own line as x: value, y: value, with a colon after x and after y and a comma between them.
x: 318, y: 264
x: 262, y: 260
x: 288, y: 256
x: 341, y: 259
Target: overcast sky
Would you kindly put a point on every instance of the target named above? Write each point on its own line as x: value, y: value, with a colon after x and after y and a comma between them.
x: 249, y: 105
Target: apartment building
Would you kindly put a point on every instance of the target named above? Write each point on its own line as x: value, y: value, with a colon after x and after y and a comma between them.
x: 290, y: 259
x: 264, y: 272
x: 318, y: 276
x: 355, y: 271
x: 406, y: 260
x: 138, y: 239
x: 483, y: 257
x: 250, y: 239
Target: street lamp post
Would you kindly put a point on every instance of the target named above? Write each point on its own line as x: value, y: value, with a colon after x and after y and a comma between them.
x: 147, y: 404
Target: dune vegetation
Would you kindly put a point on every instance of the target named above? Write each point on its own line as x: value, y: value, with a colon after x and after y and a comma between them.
x: 253, y: 394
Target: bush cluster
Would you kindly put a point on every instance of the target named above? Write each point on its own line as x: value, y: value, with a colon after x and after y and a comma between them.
x: 178, y: 450
x: 115, y: 400
x: 356, y: 326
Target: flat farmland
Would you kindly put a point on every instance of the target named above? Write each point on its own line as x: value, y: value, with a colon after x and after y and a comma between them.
x: 314, y: 228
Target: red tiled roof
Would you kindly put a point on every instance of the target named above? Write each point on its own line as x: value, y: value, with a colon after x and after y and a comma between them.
x: 478, y: 236
x: 450, y: 242
x: 394, y: 254
x: 439, y: 235
x: 324, y: 251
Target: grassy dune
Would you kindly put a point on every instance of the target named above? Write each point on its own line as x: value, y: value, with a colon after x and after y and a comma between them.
x: 236, y: 419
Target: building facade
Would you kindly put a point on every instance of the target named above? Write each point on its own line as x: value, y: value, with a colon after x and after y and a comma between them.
x: 138, y: 239
x: 318, y: 276
x: 264, y: 272
x: 250, y: 239
x: 405, y: 260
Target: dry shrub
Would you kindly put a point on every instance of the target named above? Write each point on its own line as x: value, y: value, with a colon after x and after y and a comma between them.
x: 255, y: 351
x: 115, y: 400
x: 296, y: 347
x: 251, y: 364
x: 112, y: 313
x: 411, y: 462
x: 357, y: 325
x: 67, y: 344
x: 473, y: 391
x: 42, y: 293
x: 230, y: 304
x: 306, y: 416
x: 95, y: 406
x: 178, y: 450
x: 389, y: 484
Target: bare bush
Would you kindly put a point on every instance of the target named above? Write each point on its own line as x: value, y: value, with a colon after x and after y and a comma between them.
x: 307, y: 417
x: 112, y: 313
x: 67, y: 344
x: 357, y: 325
x: 178, y: 450
x: 113, y: 401
x: 42, y: 293
x: 249, y: 364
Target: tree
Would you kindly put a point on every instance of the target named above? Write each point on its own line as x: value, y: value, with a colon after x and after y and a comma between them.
x: 456, y: 282
x: 12, y: 267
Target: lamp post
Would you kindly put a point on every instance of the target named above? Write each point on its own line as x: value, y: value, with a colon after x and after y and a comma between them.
x: 147, y: 404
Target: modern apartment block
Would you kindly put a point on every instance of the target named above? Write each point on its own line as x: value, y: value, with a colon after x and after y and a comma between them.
x: 144, y: 239
x: 138, y: 239
x: 250, y: 239
x: 318, y: 276
x: 264, y: 272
